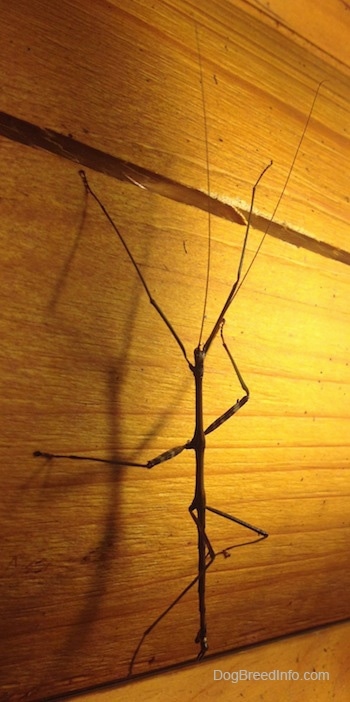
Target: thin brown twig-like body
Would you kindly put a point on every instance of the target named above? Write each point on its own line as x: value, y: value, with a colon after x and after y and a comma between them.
x: 198, y: 506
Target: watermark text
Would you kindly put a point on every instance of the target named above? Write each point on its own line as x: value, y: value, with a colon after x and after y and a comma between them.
x: 236, y: 676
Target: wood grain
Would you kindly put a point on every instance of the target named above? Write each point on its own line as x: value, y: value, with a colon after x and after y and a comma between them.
x: 321, y: 28
x: 307, y: 666
x: 91, y: 556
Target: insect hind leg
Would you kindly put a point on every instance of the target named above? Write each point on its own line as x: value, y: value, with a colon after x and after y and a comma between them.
x: 211, y: 553
x: 261, y: 533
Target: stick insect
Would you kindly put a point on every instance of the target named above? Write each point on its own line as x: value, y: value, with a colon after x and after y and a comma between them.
x: 198, y: 507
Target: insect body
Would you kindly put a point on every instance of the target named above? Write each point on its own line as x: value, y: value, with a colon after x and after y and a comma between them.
x: 198, y: 506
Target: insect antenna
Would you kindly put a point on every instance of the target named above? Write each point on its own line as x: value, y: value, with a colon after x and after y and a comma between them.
x: 291, y: 168
x: 208, y: 184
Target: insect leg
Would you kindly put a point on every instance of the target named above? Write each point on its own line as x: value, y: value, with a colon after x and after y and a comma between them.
x: 205, y: 560
x: 137, y: 268
x: 211, y: 553
x: 220, y: 420
x: 166, y: 456
x: 232, y: 410
x: 257, y: 530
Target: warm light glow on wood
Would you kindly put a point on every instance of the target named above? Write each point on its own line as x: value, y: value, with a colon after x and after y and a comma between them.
x: 91, y: 555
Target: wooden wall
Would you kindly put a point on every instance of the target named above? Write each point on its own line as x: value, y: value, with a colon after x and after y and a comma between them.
x: 92, y: 554
x: 309, y: 666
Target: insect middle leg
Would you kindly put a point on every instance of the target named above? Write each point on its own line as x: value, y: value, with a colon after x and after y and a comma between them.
x: 223, y: 418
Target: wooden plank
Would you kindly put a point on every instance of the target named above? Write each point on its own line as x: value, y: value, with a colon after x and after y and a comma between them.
x: 91, y: 556
x: 308, y: 666
x: 321, y: 28
x: 132, y: 95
